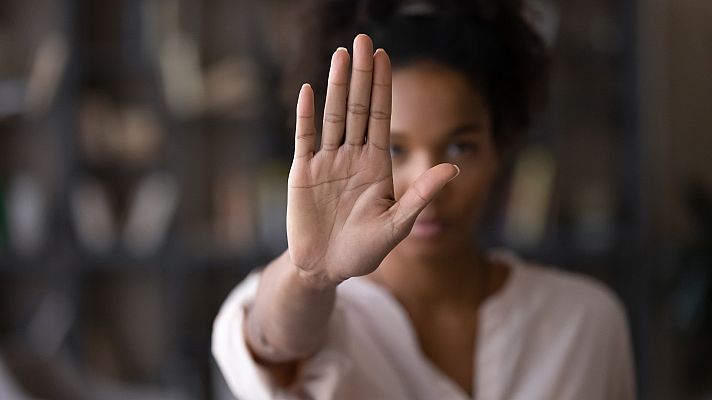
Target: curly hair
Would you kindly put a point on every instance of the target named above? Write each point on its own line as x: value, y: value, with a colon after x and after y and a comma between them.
x: 489, y: 41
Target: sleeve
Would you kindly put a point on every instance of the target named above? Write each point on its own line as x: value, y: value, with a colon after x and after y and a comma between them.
x: 321, y: 376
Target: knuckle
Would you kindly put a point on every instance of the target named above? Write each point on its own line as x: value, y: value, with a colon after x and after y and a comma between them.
x: 358, y: 109
x: 379, y: 146
x: 306, y: 135
x: 419, y: 194
x: 334, y: 118
x: 327, y: 146
x: 380, y: 115
x: 365, y: 69
x: 337, y: 84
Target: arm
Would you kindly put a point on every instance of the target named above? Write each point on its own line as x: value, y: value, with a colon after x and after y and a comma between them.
x: 342, y: 217
x: 289, y: 316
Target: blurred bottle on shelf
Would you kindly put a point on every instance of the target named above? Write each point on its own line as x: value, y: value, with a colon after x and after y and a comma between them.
x: 150, y: 214
x: 233, y: 89
x: 175, y: 54
x: 128, y: 136
x: 594, y: 219
x: 27, y: 215
x: 3, y: 219
x: 48, y: 68
x: 92, y: 217
x: 272, y: 203
x: 528, y: 209
x: 234, y: 216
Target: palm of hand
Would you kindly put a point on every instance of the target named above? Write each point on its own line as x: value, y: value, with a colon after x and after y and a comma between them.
x: 342, y: 217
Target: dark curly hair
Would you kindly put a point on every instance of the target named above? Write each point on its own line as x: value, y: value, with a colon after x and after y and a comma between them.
x: 489, y: 41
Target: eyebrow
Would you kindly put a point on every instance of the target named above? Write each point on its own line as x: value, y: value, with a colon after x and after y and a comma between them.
x: 458, y: 131
x: 467, y: 128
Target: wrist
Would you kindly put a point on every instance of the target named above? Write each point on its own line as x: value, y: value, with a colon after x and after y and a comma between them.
x: 315, y: 280
x: 318, y: 280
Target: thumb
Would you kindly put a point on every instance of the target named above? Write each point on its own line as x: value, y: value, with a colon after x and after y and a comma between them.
x: 420, y: 193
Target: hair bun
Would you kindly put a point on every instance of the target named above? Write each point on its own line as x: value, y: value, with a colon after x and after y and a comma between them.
x: 379, y: 11
x: 488, y: 40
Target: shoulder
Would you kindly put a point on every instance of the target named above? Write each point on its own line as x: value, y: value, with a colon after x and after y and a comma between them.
x: 565, y: 324
x: 555, y: 294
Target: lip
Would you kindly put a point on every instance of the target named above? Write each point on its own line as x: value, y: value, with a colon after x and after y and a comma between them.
x: 427, y: 228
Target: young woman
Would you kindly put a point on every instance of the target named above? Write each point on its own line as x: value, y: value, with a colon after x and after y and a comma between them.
x: 383, y: 292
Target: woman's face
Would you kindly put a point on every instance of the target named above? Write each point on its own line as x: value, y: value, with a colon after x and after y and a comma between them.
x: 438, y: 116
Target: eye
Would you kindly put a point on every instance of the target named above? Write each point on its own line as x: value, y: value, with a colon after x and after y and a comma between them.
x: 459, y: 149
x: 397, y: 150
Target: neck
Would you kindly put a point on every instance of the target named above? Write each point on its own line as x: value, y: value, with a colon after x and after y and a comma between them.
x: 462, y: 278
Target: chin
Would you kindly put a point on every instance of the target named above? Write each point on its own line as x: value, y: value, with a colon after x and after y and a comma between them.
x: 429, y: 246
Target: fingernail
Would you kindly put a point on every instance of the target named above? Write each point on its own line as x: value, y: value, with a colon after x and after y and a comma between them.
x: 363, y: 36
x: 380, y: 50
x: 456, y: 174
x: 341, y: 49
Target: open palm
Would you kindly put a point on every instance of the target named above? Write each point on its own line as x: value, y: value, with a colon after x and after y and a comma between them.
x: 342, y: 216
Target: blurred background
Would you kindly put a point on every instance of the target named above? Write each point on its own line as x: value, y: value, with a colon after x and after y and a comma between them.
x: 144, y: 151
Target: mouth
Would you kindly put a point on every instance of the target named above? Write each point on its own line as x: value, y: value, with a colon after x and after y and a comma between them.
x: 428, y: 227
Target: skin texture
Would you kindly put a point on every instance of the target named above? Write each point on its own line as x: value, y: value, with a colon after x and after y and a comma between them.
x: 341, y: 198
x: 353, y: 200
x: 438, y: 117
x: 437, y: 273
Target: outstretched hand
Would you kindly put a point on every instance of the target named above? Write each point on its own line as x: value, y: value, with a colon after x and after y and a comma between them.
x: 342, y: 216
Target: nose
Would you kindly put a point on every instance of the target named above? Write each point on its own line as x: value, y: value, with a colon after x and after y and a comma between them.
x: 419, y: 163
x: 425, y: 161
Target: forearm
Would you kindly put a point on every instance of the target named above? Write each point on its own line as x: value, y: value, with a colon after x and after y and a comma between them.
x: 289, y: 317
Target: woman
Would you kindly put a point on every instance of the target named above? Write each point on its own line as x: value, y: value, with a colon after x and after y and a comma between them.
x: 382, y: 292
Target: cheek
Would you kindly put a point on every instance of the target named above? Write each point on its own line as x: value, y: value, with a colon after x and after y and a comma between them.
x: 471, y: 187
x: 469, y: 192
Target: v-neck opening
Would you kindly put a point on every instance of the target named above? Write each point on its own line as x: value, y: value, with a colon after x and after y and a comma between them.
x: 506, y: 258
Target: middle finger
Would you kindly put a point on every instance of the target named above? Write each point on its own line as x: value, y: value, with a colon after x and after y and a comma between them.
x: 359, y: 91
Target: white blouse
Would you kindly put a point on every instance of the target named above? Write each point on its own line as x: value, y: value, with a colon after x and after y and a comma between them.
x: 547, y: 334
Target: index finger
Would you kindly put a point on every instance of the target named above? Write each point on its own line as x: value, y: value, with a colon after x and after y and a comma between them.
x: 305, y: 132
